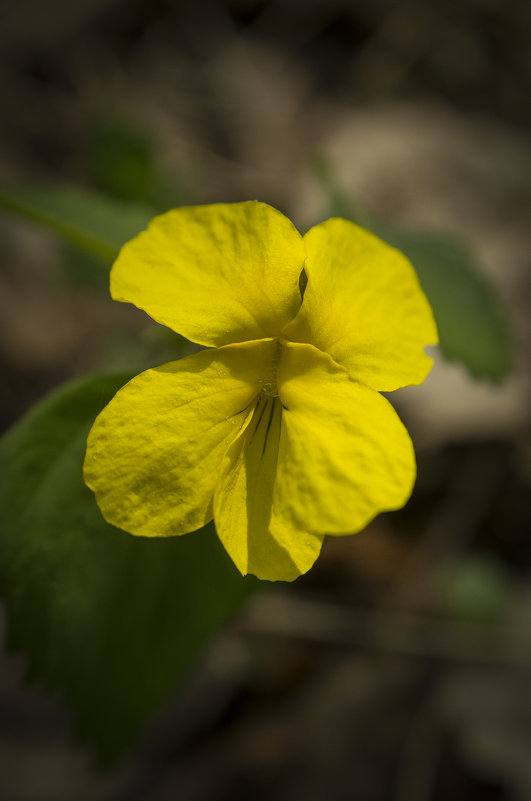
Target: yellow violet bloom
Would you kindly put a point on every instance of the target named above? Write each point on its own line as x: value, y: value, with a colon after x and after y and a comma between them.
x: 277, y: 430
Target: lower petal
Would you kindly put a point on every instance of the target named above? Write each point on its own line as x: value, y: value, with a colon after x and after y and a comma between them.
x: 259, y: 539
x: 344, y: 455
x: 155, y: 451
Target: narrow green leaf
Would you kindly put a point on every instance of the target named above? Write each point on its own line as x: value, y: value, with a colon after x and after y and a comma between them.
x: 87, y: 219
x: 113, y: 621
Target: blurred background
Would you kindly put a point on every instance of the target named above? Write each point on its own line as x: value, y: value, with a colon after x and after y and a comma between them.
x: 399, y: 668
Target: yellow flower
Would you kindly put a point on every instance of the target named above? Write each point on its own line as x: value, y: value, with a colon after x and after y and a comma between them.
x: 277, y: 430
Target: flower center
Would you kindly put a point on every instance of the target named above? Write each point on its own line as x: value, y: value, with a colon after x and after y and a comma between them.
x: 269, y: 384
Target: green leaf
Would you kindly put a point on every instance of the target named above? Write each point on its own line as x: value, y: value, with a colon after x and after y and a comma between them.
x: 87, y: 219
x: 113, y: 621
x: 472, y: 327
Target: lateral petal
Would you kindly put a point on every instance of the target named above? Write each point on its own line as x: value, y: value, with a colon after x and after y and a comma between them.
x: 364, y: 306
x: 344, y: 455
x: 155, y: 451
x: 215, y: 274
x: 257, y: 538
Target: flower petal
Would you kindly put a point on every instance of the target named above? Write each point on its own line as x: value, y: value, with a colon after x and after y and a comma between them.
x: 154, y: 453
x: 215, y: 274
x: 258, y: 539
x: 344, y: 454
x: 364, y: 306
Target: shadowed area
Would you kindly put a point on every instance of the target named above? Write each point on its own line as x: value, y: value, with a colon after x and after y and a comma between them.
x: 399, y: 667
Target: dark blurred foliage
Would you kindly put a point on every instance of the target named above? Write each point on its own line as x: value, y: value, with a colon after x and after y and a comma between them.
x: 399, y: 668
x: 474, y: 53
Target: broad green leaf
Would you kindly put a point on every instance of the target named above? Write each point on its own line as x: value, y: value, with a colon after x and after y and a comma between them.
x: 113, y: 621
x: 472, y: 326
x: 85, y: 218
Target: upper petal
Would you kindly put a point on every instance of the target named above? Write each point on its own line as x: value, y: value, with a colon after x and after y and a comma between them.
x: 215, y: 274
x: 344, y: 454
x: 259, y: 539
x: 364, y: 306
x: 154, y: 452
